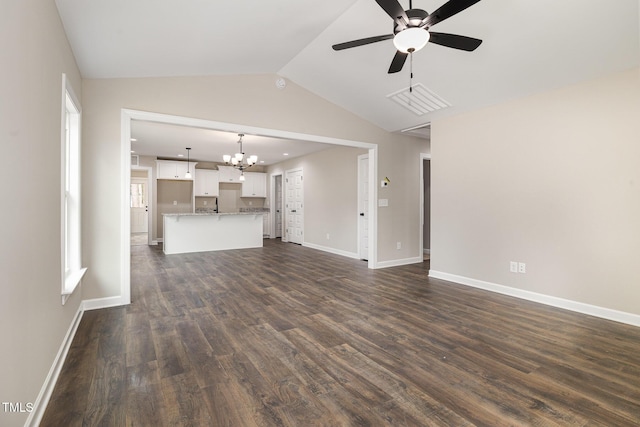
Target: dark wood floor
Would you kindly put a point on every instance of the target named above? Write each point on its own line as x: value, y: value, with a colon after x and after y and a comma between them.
x: 290, y: 336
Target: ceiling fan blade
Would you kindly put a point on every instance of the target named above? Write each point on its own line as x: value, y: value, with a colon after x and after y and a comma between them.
x: 455, y: 41
x: 361, y: 42
x: 398, y: 62
x: 447, y: 10
x: 395, y: 11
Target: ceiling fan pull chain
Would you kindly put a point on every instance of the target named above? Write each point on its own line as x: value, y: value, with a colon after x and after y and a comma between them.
x: 410, y: 72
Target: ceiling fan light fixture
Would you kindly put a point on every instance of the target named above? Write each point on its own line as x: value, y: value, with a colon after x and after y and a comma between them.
x: 411, y: 39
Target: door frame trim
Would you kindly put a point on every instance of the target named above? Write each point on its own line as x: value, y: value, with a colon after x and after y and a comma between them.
x: 127, y: 115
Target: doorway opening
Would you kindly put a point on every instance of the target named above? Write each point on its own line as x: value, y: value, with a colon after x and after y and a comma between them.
x: 425, y: 212
x: 128, y: 115
x: 277, y: 207
x: 294, y: 206
x: 140, y: 206
x: 363, y: 206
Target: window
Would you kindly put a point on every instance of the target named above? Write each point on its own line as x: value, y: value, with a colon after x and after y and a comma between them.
x: 70, y: 233
x: 138, y: 198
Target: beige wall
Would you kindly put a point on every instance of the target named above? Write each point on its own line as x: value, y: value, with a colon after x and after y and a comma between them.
x: 249, y: 100
x: 330, y: 196
x: 34, y: 53
x: 552, y: 180
x: 172, y: 197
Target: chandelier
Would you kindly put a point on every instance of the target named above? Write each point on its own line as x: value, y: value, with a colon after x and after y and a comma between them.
x: 240, y: 160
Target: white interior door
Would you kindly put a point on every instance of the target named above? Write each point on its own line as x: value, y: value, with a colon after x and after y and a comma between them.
x: 139, y: 205
x: 294, y: 206
x: 363, y: 206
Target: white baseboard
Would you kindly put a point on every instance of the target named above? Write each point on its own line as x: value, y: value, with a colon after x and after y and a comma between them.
x: 97, y: 303
x: 592, y: 310
x: 399, y: 262
x: 331, y: 250
x: 40, y: 405
x: 427, y: 251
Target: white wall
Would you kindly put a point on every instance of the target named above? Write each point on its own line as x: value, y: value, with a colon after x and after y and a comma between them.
x: 552, y: 180
x: 34, y: 53
x: 249, y: 100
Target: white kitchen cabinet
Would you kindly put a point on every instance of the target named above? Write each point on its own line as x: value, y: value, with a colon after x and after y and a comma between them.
x: 228, y: 174
x: 168, y: 169
x: 206, y: 183
x: 254, y: 185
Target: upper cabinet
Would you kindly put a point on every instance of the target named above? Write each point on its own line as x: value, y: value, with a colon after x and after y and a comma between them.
x: 168, y: 169
x: 254, y: 184
x: 229, y: 174
x: 206, y: 183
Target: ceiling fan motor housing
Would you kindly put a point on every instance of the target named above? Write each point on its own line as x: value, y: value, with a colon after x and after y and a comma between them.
x: 416, y: 17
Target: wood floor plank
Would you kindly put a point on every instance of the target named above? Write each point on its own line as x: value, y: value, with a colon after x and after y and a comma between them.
x: 184, y: 402
x: 106, y: 404
x: 144, y: 399
x: 170, y: 354
x: 285, y: 335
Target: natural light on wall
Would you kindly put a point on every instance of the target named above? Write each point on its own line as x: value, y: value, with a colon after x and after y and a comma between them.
x: 71, y: 264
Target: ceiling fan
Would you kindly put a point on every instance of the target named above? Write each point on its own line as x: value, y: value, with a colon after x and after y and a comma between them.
x: 411, y: 30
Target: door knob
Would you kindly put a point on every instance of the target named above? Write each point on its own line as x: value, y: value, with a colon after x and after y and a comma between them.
x: 361, y: 213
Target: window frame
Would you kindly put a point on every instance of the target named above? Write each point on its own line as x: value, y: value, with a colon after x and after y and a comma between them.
x: 70, y: 194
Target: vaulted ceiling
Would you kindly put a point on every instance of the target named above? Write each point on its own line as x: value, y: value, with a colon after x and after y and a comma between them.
x: 528, y: 46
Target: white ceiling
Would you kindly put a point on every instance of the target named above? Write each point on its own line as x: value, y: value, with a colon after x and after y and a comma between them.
x: 529, y: 46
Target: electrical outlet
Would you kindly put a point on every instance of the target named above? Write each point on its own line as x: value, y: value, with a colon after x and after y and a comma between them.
x: 399, y: 245
x: 175, y: 203
x: 327, y: 236
x: 513, y: 267
x: 522, y: 267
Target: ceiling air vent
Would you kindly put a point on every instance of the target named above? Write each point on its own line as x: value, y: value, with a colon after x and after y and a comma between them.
x: 419, y: 101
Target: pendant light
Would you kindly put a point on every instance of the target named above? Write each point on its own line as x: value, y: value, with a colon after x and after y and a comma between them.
x: 188, y: 174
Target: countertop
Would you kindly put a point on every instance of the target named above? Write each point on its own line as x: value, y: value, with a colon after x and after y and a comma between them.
x: 212, y: 213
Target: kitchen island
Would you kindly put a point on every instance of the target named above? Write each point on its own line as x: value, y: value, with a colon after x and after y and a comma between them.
x: 203, y: 232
